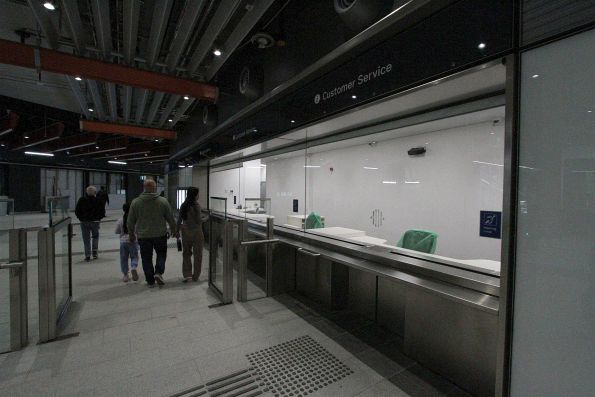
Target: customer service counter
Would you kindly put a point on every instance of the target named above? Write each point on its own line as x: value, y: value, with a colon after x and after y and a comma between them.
x: 446, y: 315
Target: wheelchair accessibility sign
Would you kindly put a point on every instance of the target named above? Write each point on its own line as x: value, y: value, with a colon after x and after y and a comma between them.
x: 490, y: 223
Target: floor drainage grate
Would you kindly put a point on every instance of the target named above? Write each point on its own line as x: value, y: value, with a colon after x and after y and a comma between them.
x: 297, y: 367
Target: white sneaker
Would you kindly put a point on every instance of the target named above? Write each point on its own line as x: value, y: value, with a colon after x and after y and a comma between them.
x: 159, y: 279
x: 125, y: 278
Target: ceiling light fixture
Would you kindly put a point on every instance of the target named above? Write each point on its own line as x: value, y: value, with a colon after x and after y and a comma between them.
x: 389, y: 182
x: 370, y: 168
x: 414, y: 182
x: 170, y: 120
x: 26, y: 137
x: 90, y: 109
x: 217, y: 52
x: 481, y: 46
x: 292, y: 121
x: 117, y: 162
x: 311, y: 166
x: 78, y: 78
x: 535, y: 76
x: 40, y: 154
x: 354, y: 96
x: 49, y: 5
x: 186, y: 97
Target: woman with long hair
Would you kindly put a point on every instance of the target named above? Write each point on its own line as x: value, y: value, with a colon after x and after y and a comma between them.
x: 190, y: 225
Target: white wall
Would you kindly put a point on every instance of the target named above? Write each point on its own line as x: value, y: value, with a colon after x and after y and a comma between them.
x: 553, y: 336
x: 452, y: 188
x: 238, y: 182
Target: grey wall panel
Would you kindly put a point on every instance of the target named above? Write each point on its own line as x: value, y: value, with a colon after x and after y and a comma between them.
x: 24, y: 186
x: 362, y: 293
x: 456, y: 341
x: 391, y: 305
x: 283, y: 268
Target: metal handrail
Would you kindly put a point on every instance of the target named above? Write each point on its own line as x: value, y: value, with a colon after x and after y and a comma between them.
x: 11, y: 265
x: 257, y: 242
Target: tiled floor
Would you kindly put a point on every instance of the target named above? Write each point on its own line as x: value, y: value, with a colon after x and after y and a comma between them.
x: 136, y: 341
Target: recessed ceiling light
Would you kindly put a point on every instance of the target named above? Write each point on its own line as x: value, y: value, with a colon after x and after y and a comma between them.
x: 481, y: 46
x: 535, y: 76
x: 146, y: 154
x: 49, y: 5
x: 78, y: 78
x: 186, y: 97
x: 90, y: 109
x: 589, y: 111
x: 67, y: 152
x: 292, y: 121
x: 354, y: 96
x: 26, y: 137
x: 217, y: 52
x: 389, y: 182
x: 117, y: 162
x: 171, y: 120
x: 96, y: 146
x: 3, y: 145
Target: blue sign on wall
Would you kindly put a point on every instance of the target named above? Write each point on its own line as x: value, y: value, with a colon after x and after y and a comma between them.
x: 490, y: 224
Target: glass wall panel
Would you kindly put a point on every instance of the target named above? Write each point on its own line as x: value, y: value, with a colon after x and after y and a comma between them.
x: 376, y: 191
x: 553, y: 338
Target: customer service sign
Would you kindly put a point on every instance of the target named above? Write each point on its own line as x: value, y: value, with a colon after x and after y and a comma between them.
x: 348, y: 87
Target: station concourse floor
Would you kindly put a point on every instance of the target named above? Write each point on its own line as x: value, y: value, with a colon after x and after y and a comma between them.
x: 136, y: 341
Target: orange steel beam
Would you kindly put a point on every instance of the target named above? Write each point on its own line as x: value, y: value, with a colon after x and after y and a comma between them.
x: 59, y: 62
x: 124, y: 129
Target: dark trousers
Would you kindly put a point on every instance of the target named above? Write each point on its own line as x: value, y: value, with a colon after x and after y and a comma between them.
x: 147, y: 245
x: 90, y: 230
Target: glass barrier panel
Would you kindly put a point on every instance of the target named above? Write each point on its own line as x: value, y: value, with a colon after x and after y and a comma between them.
x: 58, y: 209
x: 216, y: 251
x: 257, y: 209
x: 62, y: 267
x: 6, y: 214
x: 219, y: 205
x: 4, y: 309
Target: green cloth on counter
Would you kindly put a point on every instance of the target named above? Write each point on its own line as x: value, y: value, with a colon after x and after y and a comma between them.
x: 419, y: 240
x: 314, y: 221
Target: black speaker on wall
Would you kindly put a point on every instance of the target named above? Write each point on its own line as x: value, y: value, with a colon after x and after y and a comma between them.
x: 251, y: 81
x: 359, y: 14
x: 210, y: 115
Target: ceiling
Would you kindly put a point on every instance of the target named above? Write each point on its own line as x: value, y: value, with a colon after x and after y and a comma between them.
x: 135, y: 59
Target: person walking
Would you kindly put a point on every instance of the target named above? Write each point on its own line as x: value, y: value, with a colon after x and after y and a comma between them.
x: 190, y: 225
x: 128, y: 249
x: 90, y: 210
x: 103, y: 196
x: 147, y: 221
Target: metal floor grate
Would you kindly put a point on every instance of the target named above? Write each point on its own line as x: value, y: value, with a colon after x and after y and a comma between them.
x: 297, y: 368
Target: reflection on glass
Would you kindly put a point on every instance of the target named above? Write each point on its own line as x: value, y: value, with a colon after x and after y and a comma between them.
x: 219, y: 205
x: 6, y: 214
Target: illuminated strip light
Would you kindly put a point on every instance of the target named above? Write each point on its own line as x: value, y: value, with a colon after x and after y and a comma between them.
x: 117, y: 162
x: 412, y: 182
x: 311, y: 166
x: 389, y: 182
x: 370, y: 168
x: 40, y: 154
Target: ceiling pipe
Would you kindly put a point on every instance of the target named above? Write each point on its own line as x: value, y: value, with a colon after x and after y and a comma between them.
x: 102, y: 25
x: 220, y: 19
x: 39, y: 136
x: 184, y: 30
x: 71, y: 142
x: 128, y: 130
x: 58, y: 62
x: 73, y: 18
x: 161, y: 14
x: 130, y: 37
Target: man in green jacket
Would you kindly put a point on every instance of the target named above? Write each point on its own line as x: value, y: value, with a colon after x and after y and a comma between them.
x: 147, y: 221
